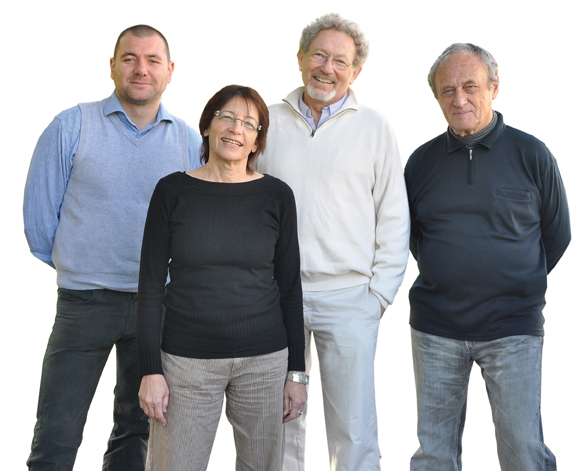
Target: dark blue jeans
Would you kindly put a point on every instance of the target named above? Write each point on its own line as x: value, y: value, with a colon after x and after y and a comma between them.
x: 88, y: 324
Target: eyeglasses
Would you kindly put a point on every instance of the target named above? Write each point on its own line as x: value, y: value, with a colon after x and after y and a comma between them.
x: 320, y: 58
x: 226, y: 117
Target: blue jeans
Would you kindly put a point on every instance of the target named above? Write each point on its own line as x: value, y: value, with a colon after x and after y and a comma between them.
x: 511, y: 368
x: 88, y: 324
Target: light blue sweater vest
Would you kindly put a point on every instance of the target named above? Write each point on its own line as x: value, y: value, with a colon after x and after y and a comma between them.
x: 100, y: 232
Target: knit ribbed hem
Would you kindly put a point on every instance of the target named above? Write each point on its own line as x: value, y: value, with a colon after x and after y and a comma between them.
x: 327, y: 282
x: 188, y: 346
x: 78, y: 280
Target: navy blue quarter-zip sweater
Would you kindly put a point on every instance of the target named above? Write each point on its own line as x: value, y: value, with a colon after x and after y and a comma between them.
x: 488, y: 224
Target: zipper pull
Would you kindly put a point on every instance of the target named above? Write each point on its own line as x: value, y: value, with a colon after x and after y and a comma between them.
x: 470, y: 154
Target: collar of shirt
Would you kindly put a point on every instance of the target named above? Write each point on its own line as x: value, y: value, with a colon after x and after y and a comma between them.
x: 327, y: 111
x: 472, y: 139
x: 486, y: 141
x: 113, y: 105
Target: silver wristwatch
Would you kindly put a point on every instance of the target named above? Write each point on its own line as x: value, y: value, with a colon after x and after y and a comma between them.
x: 297, y: 377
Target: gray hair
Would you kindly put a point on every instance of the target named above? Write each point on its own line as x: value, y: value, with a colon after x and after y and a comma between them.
x: 335, y: 21
x: 481, y: 53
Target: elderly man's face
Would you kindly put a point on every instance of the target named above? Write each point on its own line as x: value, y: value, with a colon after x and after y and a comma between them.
x: 326, y: 83
x: 465, y: 93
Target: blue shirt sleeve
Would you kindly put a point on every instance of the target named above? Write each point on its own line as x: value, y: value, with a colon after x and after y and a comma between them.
x: 47, y: 181
x: 194, y: 143
x: 49, y: 173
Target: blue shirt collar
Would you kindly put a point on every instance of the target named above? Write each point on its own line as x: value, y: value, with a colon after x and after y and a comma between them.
x: 113, y: 105
x: 327, y: 111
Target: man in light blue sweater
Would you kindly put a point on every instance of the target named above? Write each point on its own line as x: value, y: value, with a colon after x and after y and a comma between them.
x: 90, y: 181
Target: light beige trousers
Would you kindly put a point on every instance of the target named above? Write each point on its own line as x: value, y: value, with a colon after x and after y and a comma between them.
x: 344, y: 324
x: 254, y: 406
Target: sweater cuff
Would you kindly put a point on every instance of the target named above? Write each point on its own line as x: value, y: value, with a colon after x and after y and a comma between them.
x: 150, y: 362
x: 296, y: 360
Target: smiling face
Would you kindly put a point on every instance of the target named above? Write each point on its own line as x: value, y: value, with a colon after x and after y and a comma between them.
x: 465, y: 93
x: 231, y: 141
x: 141, y: 70
x: 324, y: 83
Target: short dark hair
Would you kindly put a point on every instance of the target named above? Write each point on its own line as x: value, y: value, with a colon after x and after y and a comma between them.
x: 217, y: 102
x: 142, y: 31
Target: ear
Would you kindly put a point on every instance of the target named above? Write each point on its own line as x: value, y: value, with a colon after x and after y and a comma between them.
x: 112, y: 68
x: 255, y: 145
x: 300, y: 58
x: 206, y: 132
x: 495, y: 89
x: 170, y: 70
x: 355, y: 74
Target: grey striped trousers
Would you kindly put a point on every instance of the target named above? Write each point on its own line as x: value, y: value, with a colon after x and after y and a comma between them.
x: 254, y: 407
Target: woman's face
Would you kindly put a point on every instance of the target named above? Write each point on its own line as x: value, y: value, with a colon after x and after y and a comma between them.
x: 233, y: 140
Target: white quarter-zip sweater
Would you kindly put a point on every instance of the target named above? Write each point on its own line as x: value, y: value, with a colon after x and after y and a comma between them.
x: 347, y: 178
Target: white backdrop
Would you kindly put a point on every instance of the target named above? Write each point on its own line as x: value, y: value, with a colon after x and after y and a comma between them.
x: 56, y: 55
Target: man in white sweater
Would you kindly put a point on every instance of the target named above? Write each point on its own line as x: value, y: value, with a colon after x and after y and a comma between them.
x: 342, y: 162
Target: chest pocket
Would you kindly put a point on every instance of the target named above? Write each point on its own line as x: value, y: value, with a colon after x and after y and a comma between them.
x: 517, y: 211
x: 513, y: 194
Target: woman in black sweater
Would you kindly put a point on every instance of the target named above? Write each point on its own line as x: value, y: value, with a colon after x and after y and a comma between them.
x: 227, y: 238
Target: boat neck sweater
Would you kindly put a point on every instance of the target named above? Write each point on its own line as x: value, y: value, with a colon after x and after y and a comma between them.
x: 232, y: 254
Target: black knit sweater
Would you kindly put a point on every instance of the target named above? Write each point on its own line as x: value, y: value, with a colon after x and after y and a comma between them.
x: 231, y: 250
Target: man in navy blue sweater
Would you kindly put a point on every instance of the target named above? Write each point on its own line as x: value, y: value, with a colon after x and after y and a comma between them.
x: 489, y: 221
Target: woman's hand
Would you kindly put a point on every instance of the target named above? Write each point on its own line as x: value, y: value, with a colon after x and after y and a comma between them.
x: 154, y: 397
x: 294, y: 400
